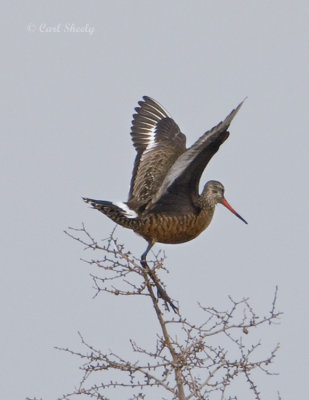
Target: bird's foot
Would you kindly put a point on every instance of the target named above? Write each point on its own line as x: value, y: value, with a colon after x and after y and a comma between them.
x: 161, y: 292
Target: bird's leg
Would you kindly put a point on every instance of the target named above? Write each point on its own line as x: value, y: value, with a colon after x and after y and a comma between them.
x: 161, y: 292
x: 144, y: 255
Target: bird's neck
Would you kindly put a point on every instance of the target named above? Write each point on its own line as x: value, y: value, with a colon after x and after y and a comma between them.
x: 207, y: 202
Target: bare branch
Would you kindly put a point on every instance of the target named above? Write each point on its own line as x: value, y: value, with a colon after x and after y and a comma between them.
x: 187, y: 361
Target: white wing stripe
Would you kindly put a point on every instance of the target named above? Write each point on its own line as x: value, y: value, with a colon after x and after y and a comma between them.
x: 127, y: 211
x: 151, y: 138
x: 164, y: 113
x: 157, y: 110
x: 155, y: 115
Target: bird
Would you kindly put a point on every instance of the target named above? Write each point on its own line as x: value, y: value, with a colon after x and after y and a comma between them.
x: 164, y: 204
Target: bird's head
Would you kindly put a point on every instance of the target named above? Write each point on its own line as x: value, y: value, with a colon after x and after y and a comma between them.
x: 213, y: 193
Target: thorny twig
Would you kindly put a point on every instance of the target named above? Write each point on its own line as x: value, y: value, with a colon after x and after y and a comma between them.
x: 188, y: 361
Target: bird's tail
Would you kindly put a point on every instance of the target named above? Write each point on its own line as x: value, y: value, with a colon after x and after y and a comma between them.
x: 117, y: 211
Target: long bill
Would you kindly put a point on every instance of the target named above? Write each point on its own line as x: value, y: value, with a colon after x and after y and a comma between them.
x: 229, y: 207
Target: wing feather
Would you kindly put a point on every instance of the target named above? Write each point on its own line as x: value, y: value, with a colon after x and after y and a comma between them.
x: 158, y: 142
x: 184, y: 175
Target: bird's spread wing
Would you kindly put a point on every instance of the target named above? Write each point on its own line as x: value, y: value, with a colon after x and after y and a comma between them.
x: 158, y: 142
x: 183, y: 178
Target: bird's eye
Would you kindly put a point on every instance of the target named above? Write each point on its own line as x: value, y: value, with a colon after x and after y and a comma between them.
x: 215, y: 191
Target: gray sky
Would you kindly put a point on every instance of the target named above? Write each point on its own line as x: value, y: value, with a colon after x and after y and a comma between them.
x: 67, y: 103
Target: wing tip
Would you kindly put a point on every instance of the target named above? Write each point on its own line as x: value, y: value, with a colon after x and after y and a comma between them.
x: 241, y: 103
x: 226, y: 123
x: 146, y: 99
